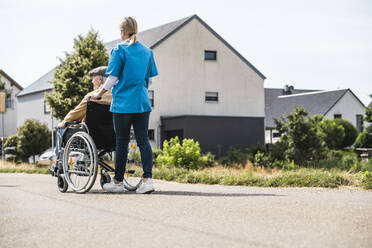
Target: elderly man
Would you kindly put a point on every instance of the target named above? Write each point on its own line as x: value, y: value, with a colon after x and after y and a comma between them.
x: 79, y: 112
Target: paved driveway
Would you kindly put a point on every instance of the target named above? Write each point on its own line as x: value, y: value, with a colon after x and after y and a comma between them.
x: 34, y: 214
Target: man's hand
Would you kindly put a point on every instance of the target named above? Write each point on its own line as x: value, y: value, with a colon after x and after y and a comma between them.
x: 61, y: 125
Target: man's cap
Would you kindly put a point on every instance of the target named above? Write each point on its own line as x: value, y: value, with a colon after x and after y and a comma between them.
x: 99, y: 71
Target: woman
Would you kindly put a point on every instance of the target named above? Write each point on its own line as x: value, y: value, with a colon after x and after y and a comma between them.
x: 130, y: 68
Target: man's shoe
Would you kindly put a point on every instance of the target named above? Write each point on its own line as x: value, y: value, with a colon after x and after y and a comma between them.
x: 146, y: 187
x: 114, y: 188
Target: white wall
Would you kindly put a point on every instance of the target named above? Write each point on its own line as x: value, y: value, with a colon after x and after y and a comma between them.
x: 348, y: 106
x: 184, y: 77
x: 10, y: 116
x: 32, y: 107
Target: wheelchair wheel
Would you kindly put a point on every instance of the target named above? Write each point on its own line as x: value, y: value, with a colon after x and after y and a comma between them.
x: 62, y: 183
x: 105, y: 178
x: 80, y: 162
x: 131, y: 182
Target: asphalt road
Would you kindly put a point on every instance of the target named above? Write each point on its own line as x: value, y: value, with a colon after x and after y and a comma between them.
x: 33, y: 213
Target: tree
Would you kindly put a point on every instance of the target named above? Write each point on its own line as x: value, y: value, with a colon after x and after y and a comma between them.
x: 301, y: 137
x: 71, y: 80
x: 333, y: 134
x: 364, y: 139
x: 350, y: 133
x: 368, y: 115
x: 34, y: 138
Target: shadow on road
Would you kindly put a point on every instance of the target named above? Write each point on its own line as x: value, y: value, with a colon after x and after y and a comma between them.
x: 188, y: 193
x: 192, y: 193
x: 8, y: 186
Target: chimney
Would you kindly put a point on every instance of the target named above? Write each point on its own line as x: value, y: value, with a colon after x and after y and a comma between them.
x: 288, y: 89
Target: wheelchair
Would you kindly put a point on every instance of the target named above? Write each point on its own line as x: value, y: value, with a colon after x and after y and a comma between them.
x: 84, y: 149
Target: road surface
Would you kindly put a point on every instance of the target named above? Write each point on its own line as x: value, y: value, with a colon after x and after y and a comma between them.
x: 33, y: 213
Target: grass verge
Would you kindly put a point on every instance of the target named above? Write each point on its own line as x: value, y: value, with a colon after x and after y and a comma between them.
x: 261, y: 177
x: 249, y: 176
x: 7, y: 167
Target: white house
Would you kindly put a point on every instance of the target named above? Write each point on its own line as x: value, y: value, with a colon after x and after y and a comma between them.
x: 331, y: 104
x: 32, y: 102
x: 205, y: 89
x: 8, y: 120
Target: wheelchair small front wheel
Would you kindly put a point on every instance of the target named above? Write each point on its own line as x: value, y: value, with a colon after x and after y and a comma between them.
x: 62, y: 183
x: 105, y: 178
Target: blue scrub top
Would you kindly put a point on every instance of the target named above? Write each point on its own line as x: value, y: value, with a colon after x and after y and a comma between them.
x: 133, y: 65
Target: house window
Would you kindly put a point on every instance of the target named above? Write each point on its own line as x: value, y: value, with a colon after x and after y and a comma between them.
x: 151, y: 134
x: 211, y: 96
x: 10, y: 103
x: 359, y: 123
x: 151, y: 97
x: 46, y: 108
x: 276, y: 135
x: 210, y: 55
x: 173, y: 133
x: 337, y: 116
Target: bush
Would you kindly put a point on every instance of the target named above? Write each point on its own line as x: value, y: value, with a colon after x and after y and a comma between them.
x: 34, y: 138
x: 366, y: 166
x: 253, y: 150
x: 364, y: 139
x: 134, y: 156
x: 262, y: 159
x: 350, y: 132
x: 234, y: 156
x: 337, y: 159
x: 155, y: 153
x: 367, y: 180
x: 277, y: 151
x: 186, y: 155
x: 332, y: 133
x: 301, y: 136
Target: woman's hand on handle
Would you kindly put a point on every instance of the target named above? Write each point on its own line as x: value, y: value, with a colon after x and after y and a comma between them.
x: 98, y: 96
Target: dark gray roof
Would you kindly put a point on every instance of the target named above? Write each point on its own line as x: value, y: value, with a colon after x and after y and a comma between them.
x: 151, y: 38
x: 315, y: 102
x: 42, y: 84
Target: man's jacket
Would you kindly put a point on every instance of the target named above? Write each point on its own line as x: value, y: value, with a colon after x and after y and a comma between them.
x: 79, y: 112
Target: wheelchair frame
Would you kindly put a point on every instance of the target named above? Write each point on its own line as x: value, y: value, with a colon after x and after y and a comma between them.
x: 79, y: 131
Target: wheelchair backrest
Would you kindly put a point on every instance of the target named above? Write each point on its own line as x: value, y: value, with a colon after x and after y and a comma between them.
x: 100, y: 125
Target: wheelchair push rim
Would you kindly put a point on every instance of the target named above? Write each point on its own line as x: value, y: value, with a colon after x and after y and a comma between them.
x: 80, y: 162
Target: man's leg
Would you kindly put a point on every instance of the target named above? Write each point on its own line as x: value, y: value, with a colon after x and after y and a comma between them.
x: 122, y: 124
x: 54, y: 167
x: 59, y: 141
x: 141, y: 125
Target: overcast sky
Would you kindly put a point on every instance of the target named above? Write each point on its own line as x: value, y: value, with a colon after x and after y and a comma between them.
x: 315, y: 44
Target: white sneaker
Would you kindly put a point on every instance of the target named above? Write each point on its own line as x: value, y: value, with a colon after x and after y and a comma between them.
x: 114, y: 188
x: 146, y: 187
